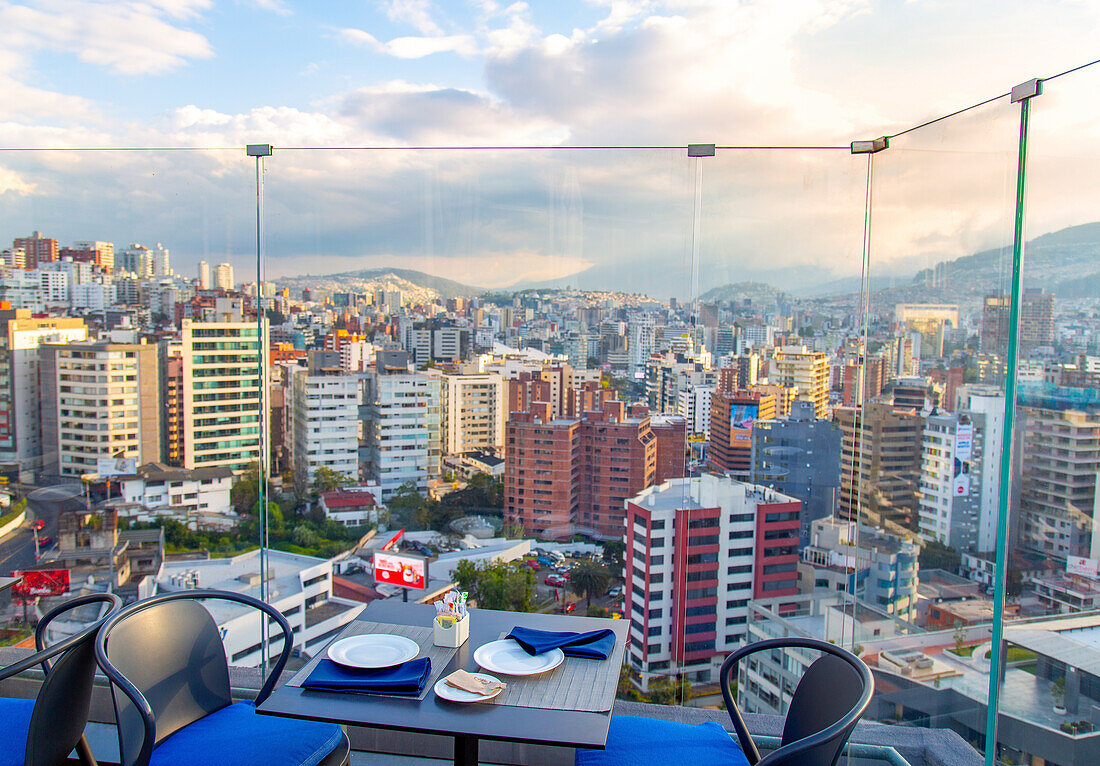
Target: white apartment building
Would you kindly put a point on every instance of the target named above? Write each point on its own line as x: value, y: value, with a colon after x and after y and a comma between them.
x: 808, y: 371
x: 300, y: 587
x: 474, y: 413
x: 643, y: 329
x: 223, y: 276
x: 325, y: 418
x: 402, y: 429
x: 38, y: 290
x: 204, y: 275
x: 98, y: 401
x: 221, y: 393
x: 93, y: 296
x: 165, y: 490
x: 693, y: 405
x: 960, y: 471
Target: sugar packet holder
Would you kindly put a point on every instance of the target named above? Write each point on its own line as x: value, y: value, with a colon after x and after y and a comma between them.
x: 450, y: 631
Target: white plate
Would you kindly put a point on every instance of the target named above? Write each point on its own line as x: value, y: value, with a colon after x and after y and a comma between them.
x: 508, y: 657
x: 448, y: 692
x: 374, y: 650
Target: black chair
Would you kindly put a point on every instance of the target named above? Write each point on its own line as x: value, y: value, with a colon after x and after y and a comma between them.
x: 830, y: 698
x: 170, y: 684
x: 43, y: 731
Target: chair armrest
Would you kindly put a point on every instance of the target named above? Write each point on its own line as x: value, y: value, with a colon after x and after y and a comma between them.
x: 44, y: 653
x: 853, y: 715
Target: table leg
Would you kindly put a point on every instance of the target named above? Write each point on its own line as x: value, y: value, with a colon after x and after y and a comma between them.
x: 465, y: 750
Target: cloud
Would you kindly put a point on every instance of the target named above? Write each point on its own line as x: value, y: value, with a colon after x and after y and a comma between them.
x: 412, y: 47
x: 279, y: 7
x: 414, y: 12
x: 125, y: 37
x: 11, y: 182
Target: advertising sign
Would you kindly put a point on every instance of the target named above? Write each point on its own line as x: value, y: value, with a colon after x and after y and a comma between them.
x: 401, y: 569
x: 115, y: 466
x: 742, y: 416
x: 1075, y: 565
x: 964, y: 449
x: 41, y: 582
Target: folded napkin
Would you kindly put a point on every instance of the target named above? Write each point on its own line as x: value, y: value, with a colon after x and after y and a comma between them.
x: 461, y: 679
x: 596, y: 644
x: 406, y: 680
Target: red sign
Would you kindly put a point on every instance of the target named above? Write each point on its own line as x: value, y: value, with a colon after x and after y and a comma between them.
x: 401, y: 569
x: 393, y: 540
x: 41, y: 582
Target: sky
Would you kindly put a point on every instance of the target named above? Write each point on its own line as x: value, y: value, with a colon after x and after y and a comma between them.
x: 213, y: 76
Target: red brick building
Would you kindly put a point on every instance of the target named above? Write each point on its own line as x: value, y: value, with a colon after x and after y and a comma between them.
x: 732, y: 414
x: 38, y: 249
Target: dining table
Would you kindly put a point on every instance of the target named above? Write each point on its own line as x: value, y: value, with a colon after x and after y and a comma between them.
x: 569, y: 706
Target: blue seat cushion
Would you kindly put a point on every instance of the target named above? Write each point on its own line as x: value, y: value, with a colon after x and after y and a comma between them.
x: 238, y: 736
x: 633, y: 741
x: 15, y: 722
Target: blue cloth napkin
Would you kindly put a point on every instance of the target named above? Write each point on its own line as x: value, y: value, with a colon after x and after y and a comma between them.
x: 406, y: 679
x: 596, y: 644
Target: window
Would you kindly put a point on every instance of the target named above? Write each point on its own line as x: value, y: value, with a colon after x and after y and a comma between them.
x: 702, y: 558
x: 702, y: 523
x: 703, y: 540
x: 694, y: 593
x: 698, y: 611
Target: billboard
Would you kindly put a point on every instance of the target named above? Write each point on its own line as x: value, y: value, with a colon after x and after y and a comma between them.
x: 401, y: 569
x: 742, y: 416
x: 115, y: 466
x: 41, y: 582
x: 1076, y: 565
x: 964, y: 450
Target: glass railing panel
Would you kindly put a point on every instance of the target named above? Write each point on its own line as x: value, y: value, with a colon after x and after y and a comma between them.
x: 924, y: 424
x: 1049, y: 695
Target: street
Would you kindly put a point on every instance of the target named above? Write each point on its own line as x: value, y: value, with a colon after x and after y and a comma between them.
x: 17, y: 549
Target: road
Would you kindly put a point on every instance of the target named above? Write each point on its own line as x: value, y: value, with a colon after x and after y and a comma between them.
x: 17, y: 549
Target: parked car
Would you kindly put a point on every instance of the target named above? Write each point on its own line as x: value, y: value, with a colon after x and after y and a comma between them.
x: 39, y: 525
x: 555, y: 579
x: 532, y: 563
x: 45, y: 542
x: 546, y: 561
x: 616, y: 591
x: 571, y: 606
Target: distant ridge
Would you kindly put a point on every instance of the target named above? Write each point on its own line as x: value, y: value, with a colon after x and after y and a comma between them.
x: 408, y: 280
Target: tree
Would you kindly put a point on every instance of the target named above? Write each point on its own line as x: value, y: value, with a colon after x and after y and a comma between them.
x: 326, y: 480
x: 936, y: 555
x: 506, y: 585
x: 246, y: 492
x: 960, y: 638
x: 666, y: 691
x: 613, y: 553
x: 588, y: 579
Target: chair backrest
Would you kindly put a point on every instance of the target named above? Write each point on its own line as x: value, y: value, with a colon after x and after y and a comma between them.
x: 61, y: 707
x: 172, y: 653
x: 828, y: 689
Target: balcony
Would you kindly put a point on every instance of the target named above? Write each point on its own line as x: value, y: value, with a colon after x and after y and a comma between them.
x: 871, y: 745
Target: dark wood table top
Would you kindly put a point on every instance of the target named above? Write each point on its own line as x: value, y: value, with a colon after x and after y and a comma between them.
x: 567, y: 728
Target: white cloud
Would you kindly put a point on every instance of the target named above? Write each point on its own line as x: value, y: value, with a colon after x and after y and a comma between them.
x: 279, y: 7
x: 12, y: 182
x: 414, y: 12
x: 412, y: 47
x: 125, y: 37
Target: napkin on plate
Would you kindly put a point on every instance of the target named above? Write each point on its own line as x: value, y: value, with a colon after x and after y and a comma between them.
x: 406, y: 679
x: 596, y: 644
x: 461, y: 679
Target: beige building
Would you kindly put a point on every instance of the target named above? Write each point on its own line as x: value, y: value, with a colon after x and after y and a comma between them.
x: 797, y: 366
x: 99, y: 401
x: 474, y: 413
x: 20, y: 421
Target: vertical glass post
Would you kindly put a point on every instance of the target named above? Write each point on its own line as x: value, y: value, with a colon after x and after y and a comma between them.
x: 1022, y: 93
x: 259, y: 151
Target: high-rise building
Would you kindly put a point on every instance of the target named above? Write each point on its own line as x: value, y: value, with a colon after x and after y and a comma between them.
x: 102, y: 254
x: 172, y: 399
x: 960, y: 472
x: 796, y: 366
x: 693, y: 406
x: 99, y: 400
x: 204, y: 275
x: 670, y: 431
x: 474, y: 413
x: 223, y: 276
x: 930, y: 320
x: 1036, y: 321
x: 732, y: 416
x: 697, y: 551
x: 161, y: 265
x: 642, y: 335
x: 137, y: 260
x: 37, y: 249
x: 401, y: 429
x: 14, y: 257
x: 566, y: 476
x: 21, y: 335
x: 880, y: 462
x: 1061, y: 467
x: 221, y: 392
x: 325, y: 416
x: 799, y: 455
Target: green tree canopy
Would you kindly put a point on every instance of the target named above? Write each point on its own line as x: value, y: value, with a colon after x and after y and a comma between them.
x: 588, y: 579
x: 497, y: 585
x: 327, y: 480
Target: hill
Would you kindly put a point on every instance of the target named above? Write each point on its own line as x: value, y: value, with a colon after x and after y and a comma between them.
x: 759, y: 293
x: 415, y: 284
